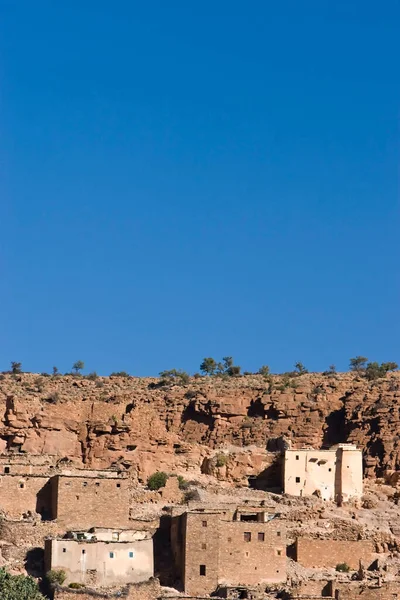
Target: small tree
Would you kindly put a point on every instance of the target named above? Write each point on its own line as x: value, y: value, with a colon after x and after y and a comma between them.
x: 208, y: 366
x: 227, y: 361
x: 300, y: 368
x: 342, y: 568
x: 18, y: 587
x: 56, y: 576
x: 358, y: 364
x: 233, y: 371
x: 374, y: 371
x: 389, y: 366
x: 55, y: 371
x: 175, y: 377
x: 78, y: 366
x: 264, y: 370
x: 157, y: 480
x: 16, y: 367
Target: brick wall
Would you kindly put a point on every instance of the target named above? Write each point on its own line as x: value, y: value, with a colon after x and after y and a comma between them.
x: 252, y: 552
x: 328, y: 553
x: 80, y: 502
x: 19, y: 494
x: 200, y: 556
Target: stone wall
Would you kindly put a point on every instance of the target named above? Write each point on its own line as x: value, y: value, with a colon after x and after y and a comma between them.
x: 80, y: 502
x: 20, y: 494
x: 316, y: 553
x: 149, y: 590
x: 366, y: 591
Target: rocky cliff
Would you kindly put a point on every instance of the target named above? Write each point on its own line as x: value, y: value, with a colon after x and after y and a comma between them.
x: 227, y: 427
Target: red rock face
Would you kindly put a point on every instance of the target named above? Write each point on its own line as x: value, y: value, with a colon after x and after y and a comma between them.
x: 144, y: 427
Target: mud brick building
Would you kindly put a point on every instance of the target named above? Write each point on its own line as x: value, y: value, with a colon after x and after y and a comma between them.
x: 334, y: 474
x: 77, y: 498
x: 242, y: 547
x: 81, y: 501
x: 117, y: 558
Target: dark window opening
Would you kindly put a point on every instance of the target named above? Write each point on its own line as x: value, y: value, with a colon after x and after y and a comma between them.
x: 279, y: 552
x: 329, y: 469
x: 253, y: 517
x: 22, y: 485
x: 118, y: 485
x: 297, y: 479
x: 229, y: 539
x: 111, y: 554
x: 83, y: 551
x: 64, y: 549
x: 6, y: 469
x: 278, y: 533
x: 85, y: 484
x: 202, y: 570
x: 204, y: 523
x: 130, y: 554
x: 204, y: 546
x: 247, y: 536
x: 97, y: 484
x: 261, y: 536
x: 243, y: 594
x: 297, y: 457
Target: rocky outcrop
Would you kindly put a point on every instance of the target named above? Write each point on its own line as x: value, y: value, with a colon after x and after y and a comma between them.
x: 144, y: 426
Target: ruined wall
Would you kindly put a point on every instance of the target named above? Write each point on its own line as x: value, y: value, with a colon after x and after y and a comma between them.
x: 307, y: 472
x: 366, y: 591
x: 317, y: 553
x: 149, y: 590
x: 81, y: 503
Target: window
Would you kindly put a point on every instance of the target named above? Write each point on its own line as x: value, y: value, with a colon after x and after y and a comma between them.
x: 278, y: 533
x: 83, y: 551
x: 111, y: 554
x: 6, y: 469
x: 253, y: 517
x: 97, y: 484
x: 118, y: 485
x: 297, y: 479
x: 202, y: 570
x: 329, y: 469
x: 261, y: 536
x: 85, y: 484
x: 204, y: 523
x: 204, y: 546
x: 247, y: 536
x: 279, y: 552
x: 64, y: 549
x: 130, y: 554
x: 229, y: 539
x: 22, y: 485
x: 297, y: 457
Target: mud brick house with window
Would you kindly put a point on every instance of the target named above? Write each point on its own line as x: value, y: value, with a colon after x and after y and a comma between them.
x: 119, y: 557
x: 334, y: 474
x: 244, y: 547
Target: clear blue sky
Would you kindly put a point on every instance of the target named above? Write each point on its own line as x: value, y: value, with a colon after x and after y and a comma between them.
x: 185, y: 179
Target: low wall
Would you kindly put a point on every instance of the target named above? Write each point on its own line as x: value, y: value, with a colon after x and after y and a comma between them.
x: 148, y: 590
x: 315, y: 553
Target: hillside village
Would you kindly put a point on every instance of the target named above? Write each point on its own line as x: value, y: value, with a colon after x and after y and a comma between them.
x: 244, y: 487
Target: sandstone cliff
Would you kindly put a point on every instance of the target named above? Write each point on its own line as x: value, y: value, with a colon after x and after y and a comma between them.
x: 144, y: 426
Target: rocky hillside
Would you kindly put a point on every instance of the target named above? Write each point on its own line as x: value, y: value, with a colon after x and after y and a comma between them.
x: 223, y: 426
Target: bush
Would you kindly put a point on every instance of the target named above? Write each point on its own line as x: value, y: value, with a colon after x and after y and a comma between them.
x: 56, y: 576
x: 174, y: 377
x: 182, y: 482
x: 53, y: 398
x: 264, y: 370
x: 92, y: 376
x: 18, y: 587
x: 76, y: 586
x: 119, y: 374
x: 342, y: 568
x: 157, y: 480
x: 300, y: 368
x: 221, y: 460
x: 374, y: 371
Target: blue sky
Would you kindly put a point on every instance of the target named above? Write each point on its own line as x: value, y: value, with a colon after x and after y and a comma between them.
x: 188, y: 179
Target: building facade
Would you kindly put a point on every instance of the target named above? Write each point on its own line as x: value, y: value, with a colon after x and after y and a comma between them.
x: 92, y: 561
x: 335, y: 474
x: 244, y: 547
